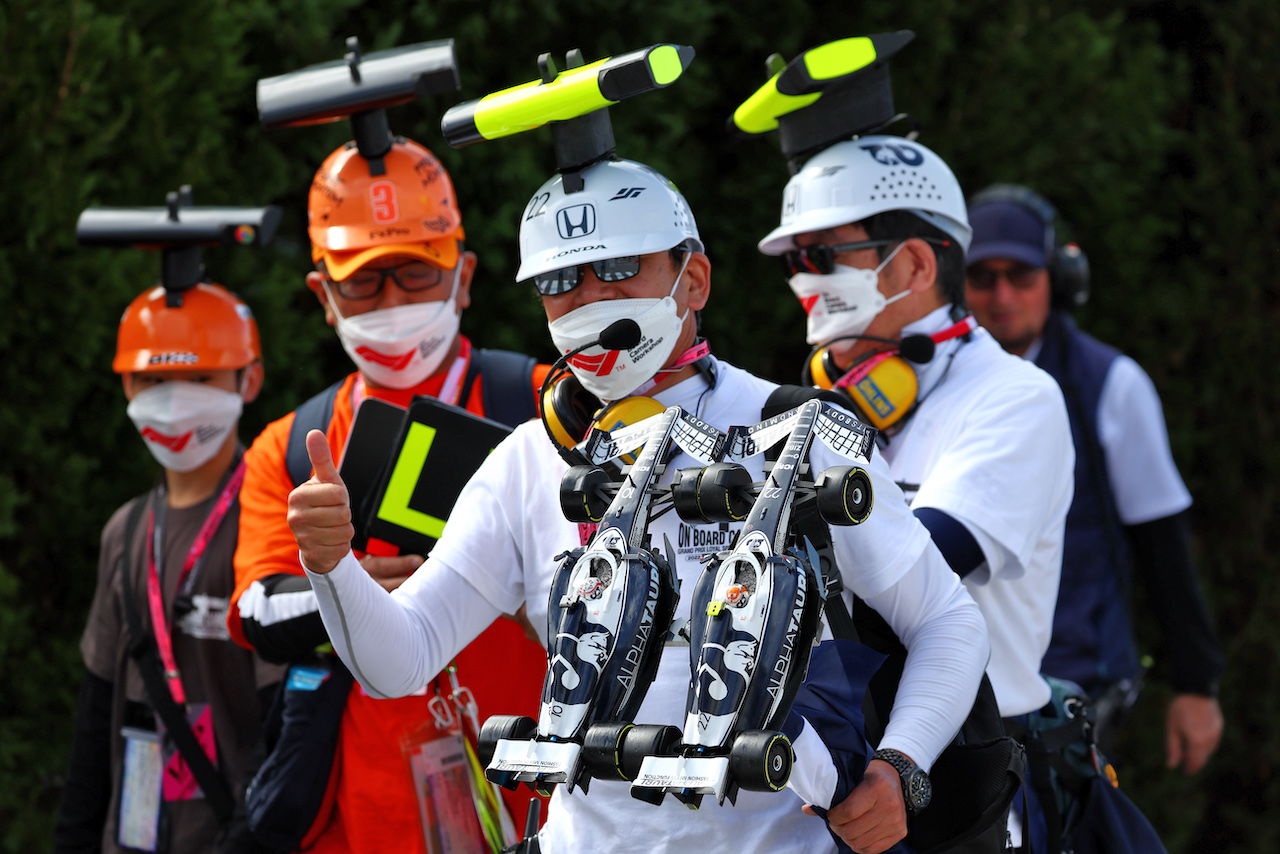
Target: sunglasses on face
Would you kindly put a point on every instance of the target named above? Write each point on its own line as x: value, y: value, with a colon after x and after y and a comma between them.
x: 1020, y: 276
x: 607, y: 270
x: 366, y: 283
x: 820, y: 258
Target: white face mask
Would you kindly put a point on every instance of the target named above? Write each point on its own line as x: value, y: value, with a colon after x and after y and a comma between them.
x: 613, y: 374
x: 843, y: 302
x: 184, y: 423
x: 401, y: 346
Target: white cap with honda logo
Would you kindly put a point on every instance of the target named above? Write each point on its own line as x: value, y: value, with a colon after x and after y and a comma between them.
x: 625, y: 208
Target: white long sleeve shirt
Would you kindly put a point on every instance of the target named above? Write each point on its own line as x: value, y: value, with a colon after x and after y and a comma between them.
x: 498, y: 552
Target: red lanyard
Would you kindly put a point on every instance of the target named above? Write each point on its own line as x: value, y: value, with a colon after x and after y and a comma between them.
x: 862, y: 369
x: 155, y: 599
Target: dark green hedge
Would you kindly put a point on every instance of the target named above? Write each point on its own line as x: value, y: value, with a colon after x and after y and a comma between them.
x: 1152, y: 125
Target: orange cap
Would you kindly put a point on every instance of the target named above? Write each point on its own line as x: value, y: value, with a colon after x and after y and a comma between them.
x: 354, y: 217
x: 211, y: 330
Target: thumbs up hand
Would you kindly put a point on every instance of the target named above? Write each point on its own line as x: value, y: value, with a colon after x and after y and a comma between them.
x: 320, y: 511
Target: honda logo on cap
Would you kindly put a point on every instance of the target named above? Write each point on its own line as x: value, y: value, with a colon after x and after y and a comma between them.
x: 577, y: 221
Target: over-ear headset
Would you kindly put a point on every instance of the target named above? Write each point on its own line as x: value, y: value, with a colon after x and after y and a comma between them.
x: 1066, y: 262
x: 569, y: 411
x: 882, y: 385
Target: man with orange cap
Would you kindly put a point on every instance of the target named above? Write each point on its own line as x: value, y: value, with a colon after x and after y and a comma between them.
x: 189, y: 359
x: 393, y: 277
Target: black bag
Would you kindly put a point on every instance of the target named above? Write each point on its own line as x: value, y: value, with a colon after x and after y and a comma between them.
x: 286, y: 794
x: 1084, y: 810
x: 974, y: 779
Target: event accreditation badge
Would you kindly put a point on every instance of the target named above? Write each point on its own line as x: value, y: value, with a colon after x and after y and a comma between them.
x: 139, y: 820
x: 438, y: 763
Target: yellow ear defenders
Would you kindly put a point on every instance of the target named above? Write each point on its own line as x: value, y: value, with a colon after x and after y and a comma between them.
x: 569, y: 411
x: 883, y: 385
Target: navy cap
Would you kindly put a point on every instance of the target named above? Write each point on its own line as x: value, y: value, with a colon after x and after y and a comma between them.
x: 1006, y: 230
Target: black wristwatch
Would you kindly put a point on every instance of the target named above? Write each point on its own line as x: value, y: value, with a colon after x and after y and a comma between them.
x: 916, y: 788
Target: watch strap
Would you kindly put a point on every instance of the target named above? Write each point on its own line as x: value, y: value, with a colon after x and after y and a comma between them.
x: 906, y: 769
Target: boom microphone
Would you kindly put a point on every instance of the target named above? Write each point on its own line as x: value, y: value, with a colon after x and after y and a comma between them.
x: 914, y: 348
x: 917, y: 348
x: 620, y: 335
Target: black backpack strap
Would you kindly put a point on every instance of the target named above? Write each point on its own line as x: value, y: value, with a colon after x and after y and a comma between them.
x: 507, y: 391
x: 315, y: 414
x: 142, y: 648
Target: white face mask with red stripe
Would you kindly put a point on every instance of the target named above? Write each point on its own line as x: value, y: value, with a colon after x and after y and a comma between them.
x: 613, y: 374
x: 184, y: 423
x: 401, y: 346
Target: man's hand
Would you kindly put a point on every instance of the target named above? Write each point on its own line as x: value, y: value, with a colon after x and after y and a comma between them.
x: 522, y: 619
x: 320, y: 511
x: 1193, y: 728
x: 874, y: 815
x: 391, y: 572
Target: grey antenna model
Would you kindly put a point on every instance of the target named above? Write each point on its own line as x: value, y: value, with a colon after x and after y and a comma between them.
x: 360, y: 87
x: 179, y: 230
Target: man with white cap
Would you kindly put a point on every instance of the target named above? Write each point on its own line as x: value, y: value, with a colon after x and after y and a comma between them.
x: 872, y: 237
x: 620, y: 242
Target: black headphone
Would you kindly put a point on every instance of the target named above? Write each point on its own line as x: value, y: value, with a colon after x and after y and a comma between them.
x: 1066, y: 262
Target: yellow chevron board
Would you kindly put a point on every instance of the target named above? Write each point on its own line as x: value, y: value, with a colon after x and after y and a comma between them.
x: 574, y: 92
x: 804, y: 80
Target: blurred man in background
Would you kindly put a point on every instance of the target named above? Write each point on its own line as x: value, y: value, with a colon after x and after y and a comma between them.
x: 1130, y: 504
x: 165, y: 579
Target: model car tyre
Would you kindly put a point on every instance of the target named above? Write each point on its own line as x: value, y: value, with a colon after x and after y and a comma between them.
x: 844, y: 495
x: 499, y: 727
x: 760, y: 760
x: 582, y: 494
x: 724, y: 493
x: 684, y: 494
x: 646, y: 740
x: 602, y: 750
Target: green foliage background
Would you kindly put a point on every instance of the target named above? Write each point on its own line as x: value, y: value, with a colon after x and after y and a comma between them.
x: 1151, y: 124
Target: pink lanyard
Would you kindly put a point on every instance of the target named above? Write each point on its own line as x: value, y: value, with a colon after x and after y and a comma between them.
x: 693, y: 354
x: 155, y: 599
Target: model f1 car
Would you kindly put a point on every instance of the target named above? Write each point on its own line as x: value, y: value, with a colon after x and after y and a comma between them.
x: 610, y: 608
x: 756, y: 611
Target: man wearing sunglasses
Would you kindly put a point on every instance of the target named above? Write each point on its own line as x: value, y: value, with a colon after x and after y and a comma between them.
x: 393, y: 278
x: 1130, y: 504
x: 872, y: 238
x: 625, y: 247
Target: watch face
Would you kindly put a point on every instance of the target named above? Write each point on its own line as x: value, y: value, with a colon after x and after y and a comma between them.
x: 919, y: 790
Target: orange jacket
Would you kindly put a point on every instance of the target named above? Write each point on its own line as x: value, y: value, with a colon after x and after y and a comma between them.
x: 371, y: 806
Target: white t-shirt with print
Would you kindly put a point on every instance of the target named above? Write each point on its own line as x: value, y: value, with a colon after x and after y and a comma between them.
x: 990, y: 445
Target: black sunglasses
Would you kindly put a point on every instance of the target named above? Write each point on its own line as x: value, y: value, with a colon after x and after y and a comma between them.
x: 607, y: 270
x: 820, y: 258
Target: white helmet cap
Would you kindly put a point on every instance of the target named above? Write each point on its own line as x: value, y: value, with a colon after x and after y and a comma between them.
x: 854, y: 180
x: 625, y: 208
